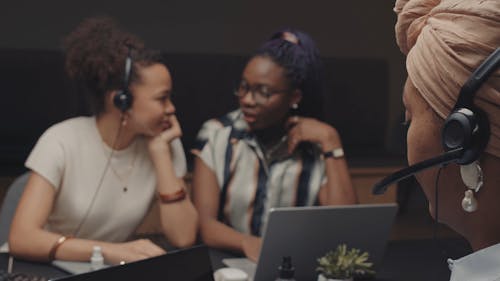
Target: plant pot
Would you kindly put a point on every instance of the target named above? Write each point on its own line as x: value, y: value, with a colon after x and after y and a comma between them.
x: 321, y: 277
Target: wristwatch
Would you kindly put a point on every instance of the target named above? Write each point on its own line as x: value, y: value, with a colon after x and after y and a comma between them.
x: 335, y: 153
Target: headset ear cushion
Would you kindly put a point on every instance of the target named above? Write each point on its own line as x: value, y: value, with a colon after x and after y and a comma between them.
x: 457, y: 131
x: 122, y: 100
x: 468, y: 129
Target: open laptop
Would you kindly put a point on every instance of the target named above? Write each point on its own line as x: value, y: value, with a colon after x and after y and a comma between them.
x: 307, y: 233
x: 191, y: 264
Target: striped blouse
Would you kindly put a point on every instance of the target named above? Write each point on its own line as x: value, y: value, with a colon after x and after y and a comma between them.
x: 251, y: 184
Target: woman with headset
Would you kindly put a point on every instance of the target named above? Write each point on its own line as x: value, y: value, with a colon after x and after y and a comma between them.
x: 264, y: 155
x: 93, y: 179
x: 445, y: 42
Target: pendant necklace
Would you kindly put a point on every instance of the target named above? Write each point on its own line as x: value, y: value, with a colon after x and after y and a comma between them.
x: 124, y: 180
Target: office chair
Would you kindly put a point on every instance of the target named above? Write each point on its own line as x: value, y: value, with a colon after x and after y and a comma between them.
x: 10, y: 204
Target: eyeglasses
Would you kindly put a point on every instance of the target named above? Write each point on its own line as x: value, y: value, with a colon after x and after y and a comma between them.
x: 260, y: 93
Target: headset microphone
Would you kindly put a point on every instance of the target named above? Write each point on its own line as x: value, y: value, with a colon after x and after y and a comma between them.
x: 465, y: 132
x: 447, y: 157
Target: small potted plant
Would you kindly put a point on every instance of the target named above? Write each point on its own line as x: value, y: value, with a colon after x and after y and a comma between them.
x: 344, y: 264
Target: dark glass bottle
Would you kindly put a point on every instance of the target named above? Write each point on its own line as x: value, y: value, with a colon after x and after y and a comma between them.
x: 286, y: 271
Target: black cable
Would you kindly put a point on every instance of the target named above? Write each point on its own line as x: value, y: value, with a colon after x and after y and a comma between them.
x: 436, y: 205
x: 436, y: 219
x: 118, y: 133
x: 440, y: 245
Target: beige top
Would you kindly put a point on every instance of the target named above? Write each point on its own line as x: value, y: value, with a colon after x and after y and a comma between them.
x: 72, y: 157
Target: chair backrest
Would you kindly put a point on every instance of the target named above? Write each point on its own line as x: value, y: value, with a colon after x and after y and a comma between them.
x: 9, y: 205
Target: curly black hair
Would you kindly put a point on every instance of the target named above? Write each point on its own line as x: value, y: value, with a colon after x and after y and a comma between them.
x: 96, y: 51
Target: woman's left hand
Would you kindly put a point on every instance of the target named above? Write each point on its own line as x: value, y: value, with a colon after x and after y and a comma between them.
x: 309, y: 129
x: 161, y: 142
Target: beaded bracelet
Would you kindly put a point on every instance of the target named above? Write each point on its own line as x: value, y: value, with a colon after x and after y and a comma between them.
x: 172, y: 197
x: 57, y: 244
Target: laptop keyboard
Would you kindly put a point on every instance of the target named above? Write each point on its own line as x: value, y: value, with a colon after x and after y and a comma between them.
x: 4, y: 276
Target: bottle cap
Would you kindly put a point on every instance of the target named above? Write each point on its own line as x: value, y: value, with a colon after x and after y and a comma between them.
x: 286, y: 270
x: 96, y: 260
x: 96, y: 252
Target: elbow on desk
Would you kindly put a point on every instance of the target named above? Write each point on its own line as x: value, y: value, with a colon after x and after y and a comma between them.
x: 15, y: 243
x: 19, y: 248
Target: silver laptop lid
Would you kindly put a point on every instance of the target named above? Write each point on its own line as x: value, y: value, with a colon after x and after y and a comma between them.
x: 307, y: 233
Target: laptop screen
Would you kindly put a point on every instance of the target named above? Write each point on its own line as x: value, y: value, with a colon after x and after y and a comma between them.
x: 191, y: 264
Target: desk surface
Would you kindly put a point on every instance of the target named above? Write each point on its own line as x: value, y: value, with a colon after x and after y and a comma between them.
x: 405, y: 260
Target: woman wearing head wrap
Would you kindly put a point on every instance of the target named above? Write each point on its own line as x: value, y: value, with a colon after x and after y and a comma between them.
x: 445, y: 41
x: 263, y: 155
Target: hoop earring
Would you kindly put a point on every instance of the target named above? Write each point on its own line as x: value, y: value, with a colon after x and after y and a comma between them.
x: 472, y: 176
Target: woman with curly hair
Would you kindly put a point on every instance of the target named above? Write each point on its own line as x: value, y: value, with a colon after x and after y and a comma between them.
x: 93, y: 179
x: 268, y: 153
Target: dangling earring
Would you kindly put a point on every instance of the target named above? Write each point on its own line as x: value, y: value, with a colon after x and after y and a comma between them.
x: 124, y: 119
x: 472, y: 176
x: 293, y: 111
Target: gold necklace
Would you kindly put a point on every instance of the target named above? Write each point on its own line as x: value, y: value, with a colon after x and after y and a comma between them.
x: 130, y: 168
x: 270, y: 151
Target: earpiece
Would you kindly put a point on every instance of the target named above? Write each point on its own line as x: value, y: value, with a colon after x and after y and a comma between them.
x: 467, y: 126
x: 465, y: 133
x: 123, y: 98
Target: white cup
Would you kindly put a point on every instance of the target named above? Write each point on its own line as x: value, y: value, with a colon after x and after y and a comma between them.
x: 230, y: 274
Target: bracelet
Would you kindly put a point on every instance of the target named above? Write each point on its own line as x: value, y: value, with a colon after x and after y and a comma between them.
x: 335, y: 153
x: 172, y: 197
x: 57, y: 244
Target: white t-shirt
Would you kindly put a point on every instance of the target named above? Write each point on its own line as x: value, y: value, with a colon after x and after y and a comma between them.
x: 72, y: 157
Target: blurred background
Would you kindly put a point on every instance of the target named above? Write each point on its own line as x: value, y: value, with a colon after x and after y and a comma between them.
x: 206, y: 44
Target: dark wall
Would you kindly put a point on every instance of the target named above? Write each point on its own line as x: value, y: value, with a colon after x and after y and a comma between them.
x: 341, y: 29
x: 40, y: 94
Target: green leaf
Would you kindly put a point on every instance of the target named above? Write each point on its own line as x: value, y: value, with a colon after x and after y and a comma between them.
x: 344, y: 263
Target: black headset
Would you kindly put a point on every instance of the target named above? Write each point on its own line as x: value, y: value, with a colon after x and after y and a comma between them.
x: 123, y: 98
x: 466, y: 130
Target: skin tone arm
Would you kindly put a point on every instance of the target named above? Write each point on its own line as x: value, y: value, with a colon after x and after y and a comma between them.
x: 338, y: 189
x: 214, y: 233
x: 28, y: 239
x: 179, y: 219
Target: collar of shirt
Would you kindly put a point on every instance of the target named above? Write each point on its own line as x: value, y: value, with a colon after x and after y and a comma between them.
x: 481, y: 265
x: 241, y: 131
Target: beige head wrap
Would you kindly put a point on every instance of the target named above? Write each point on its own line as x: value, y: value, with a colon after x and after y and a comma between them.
x: 445, y: 41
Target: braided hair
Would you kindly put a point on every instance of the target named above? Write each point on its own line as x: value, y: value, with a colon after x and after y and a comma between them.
x: 303, y: 68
